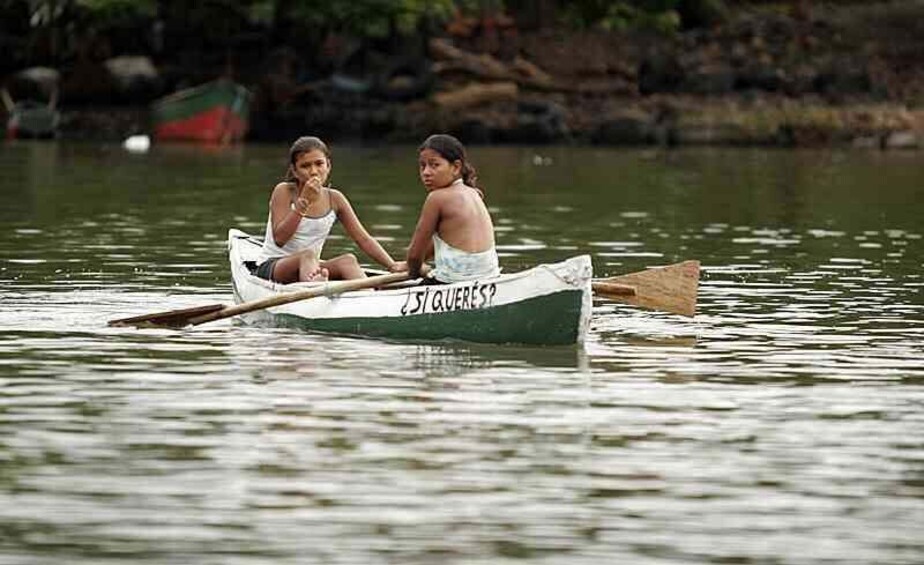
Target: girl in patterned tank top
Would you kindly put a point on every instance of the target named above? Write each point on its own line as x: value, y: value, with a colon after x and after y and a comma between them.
x: 454, y: 227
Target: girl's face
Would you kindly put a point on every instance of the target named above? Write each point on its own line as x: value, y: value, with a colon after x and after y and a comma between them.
x: 436, y: 171
x: 311, y: 164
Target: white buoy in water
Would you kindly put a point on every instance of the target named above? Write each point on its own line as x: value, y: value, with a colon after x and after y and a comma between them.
x: 137, y: 143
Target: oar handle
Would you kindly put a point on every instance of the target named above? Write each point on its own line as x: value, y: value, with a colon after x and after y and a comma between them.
x: 614, y: 289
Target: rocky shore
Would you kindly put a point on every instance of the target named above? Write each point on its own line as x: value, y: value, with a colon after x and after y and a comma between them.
x: 844, y: 77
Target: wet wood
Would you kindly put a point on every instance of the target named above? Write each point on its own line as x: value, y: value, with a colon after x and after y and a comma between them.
x: 451, y: 59
x: 476, y: 94
x: 672, y: 288
x: 482, y: 65
x: 171, y: 318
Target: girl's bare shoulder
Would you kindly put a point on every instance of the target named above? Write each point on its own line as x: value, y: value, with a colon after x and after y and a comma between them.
x: 284, y: 187
x: 439, y: 199
x: 447, y: 194
x: 336, y: 197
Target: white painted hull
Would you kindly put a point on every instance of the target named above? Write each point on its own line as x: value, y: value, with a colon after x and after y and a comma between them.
x: 548, y: 304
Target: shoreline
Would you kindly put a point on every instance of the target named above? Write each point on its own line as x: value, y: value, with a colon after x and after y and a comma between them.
x: 840, y: 77
x: 665, y: 121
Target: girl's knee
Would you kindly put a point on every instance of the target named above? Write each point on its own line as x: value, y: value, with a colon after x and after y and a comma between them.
x: 345, y: 266
x: 308, y: 255
x: 345, y: 260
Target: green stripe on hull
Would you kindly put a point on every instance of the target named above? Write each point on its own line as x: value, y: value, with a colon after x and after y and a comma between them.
x: 553, y: 319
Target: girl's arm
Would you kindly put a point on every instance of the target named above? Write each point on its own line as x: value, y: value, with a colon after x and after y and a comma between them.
x: 358, y: 233
x: 429, y: 252
x: 284, y: 219
x: 422, y: 241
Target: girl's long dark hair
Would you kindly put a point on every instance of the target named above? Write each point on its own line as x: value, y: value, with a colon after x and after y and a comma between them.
x: 302, y: 145
x: 452, y: 150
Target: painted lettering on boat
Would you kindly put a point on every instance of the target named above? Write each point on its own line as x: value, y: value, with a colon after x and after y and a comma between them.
x: 436, y: 299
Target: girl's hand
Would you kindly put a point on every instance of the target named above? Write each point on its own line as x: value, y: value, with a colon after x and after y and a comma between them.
x: 398, y: 267
x: 301, y: 206
x: 419, y: 272
x: 310, y: 189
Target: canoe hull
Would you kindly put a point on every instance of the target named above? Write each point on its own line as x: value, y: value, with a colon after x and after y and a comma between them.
x: 549, y: 319
x: 32, y: 120
x: 549, y: 305
x: 215, y: 112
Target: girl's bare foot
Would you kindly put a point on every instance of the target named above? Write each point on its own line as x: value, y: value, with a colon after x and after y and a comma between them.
x: 320, y: 275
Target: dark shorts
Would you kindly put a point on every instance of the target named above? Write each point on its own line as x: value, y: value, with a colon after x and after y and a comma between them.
x: 265, y: 269
x: 429, y: 281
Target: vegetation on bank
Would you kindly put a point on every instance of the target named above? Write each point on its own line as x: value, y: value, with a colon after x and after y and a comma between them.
x: 52, y: 32
x: 793, y: 72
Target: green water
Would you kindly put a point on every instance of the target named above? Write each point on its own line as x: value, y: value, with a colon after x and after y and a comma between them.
x: 783, y: 424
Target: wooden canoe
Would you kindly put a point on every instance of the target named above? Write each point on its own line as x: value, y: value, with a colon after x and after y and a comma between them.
x: 214, y: 112
x: 31, y: 119
x: 548, y: 304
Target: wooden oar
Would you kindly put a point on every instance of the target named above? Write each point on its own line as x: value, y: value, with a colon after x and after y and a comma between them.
x: 672, y: 288
x: 209, y: 313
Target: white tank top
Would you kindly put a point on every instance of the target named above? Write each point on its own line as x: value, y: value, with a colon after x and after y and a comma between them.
x: 454, y: 265
x: 310, y: 234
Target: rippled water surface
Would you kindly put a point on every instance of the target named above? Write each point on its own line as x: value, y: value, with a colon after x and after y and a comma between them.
x: 784, y: 424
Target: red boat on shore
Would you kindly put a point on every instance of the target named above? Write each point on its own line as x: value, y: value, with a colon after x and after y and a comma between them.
x: 214, y: 112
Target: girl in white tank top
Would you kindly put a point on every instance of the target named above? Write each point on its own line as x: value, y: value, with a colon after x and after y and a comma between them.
x: 310, y: 234
x: 302, y: 212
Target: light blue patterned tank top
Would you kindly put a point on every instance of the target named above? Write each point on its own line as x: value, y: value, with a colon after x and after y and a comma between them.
x: 454, y: 265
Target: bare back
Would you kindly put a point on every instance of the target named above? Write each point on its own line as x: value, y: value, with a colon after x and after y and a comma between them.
x: 464, y: 221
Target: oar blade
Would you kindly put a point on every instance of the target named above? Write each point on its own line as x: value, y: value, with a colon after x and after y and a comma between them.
x: 169, y: 319
x: 672, y: 288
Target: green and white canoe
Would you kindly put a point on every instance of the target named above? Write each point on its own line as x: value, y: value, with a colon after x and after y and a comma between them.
x: 548, y: 304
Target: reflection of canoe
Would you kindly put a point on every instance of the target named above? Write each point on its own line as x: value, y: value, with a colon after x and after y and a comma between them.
x: 548, y: 304
x: 215, y: 112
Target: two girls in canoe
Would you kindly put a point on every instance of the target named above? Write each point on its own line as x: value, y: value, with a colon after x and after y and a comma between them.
x: 454, y: 227
x: 302, y: 211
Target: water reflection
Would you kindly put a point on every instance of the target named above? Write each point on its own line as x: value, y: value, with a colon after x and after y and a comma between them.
x: 782, y: 417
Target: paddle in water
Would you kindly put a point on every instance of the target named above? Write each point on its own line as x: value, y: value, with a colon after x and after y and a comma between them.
x: 211, y: 312
x: 672, y: 288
